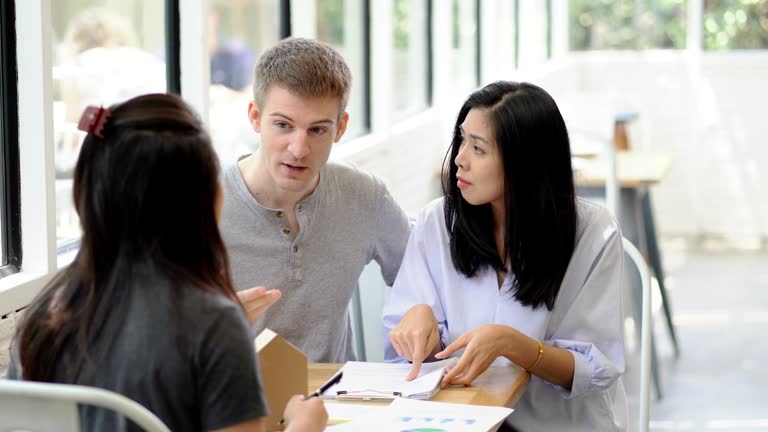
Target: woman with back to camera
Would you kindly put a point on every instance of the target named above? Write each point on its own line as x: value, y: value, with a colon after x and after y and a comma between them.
x: 147, y: 308
x: 510, y: 267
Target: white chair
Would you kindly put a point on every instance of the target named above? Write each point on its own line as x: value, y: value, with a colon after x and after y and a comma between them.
x: 42, y: 407
x: 646, y: 333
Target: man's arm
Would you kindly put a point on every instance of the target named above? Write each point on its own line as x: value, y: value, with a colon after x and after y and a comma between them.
x: 391, y: 233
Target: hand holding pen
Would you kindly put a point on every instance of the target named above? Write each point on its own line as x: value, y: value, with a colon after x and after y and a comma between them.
x: 323, y: 388
x: 304, y: 415
x: 294, y: 404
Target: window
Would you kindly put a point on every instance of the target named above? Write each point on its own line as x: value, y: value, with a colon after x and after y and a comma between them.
x: 238, y: 32
x: 10, y: 218
x: 497, y: 27
x: 464, y: 44
x: 735, y: 24
x: 411, y: 74
x: 627, y: 24
x: 103, y: 52
x: 533, y: 44
x: 344, y: 25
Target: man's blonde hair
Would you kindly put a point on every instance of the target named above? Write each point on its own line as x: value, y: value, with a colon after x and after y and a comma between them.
x: 305, y: 67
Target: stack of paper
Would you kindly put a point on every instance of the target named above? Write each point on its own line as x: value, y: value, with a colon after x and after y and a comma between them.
x: 408, y: 415
x: 386, y: 381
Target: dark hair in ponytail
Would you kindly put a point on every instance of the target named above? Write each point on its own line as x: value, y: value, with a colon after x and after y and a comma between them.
x: 146, y: 195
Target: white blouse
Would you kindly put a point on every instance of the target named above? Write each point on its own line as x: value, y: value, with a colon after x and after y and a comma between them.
x: 587, y: 317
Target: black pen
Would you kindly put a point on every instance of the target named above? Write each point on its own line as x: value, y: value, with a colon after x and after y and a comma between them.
x: 323, y: 388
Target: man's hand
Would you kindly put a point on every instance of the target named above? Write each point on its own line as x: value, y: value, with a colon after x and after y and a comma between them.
x: 257, y: 300
x: 416, y: 336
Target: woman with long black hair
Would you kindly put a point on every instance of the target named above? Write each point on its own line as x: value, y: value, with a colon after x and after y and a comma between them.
x: 147, y: 308
x: 509, y: 267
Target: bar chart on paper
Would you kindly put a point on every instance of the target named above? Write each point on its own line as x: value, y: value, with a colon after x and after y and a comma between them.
x: 434, y: 424
x: 409, y: 415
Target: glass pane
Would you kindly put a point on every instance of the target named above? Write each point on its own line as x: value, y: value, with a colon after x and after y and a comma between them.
x: 239, y: 31
x: 103, y: 52
x: 534, y: 32
x: 340, y: 23
x: 3, y: 259
x: 410, y: 58
x: 464, y: 44
x: 627, y: 24
x: 735, y: 24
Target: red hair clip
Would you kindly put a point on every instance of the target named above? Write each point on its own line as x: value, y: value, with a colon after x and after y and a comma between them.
x: 93, y: 120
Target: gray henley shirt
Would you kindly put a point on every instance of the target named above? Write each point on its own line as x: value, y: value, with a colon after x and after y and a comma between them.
x: 348, y: 220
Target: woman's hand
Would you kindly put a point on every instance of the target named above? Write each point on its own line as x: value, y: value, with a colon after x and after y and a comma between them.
x: 483, y: 346
x: 416, y: 336
x: 305, y: 415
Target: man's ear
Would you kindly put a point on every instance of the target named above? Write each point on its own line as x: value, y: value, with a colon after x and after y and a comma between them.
x: 343, y: 122
x: 253, y: 116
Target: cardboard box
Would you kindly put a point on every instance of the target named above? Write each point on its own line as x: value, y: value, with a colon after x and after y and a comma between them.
x: 284, y: 373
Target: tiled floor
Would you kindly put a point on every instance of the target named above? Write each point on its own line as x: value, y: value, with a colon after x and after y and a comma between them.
x: 720, y: 381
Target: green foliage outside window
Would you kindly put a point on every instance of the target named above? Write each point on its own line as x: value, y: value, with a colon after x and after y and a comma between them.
x: 735, y: 24
x: 400, y: 21
x: 330, y: 22
x: 627, y: 24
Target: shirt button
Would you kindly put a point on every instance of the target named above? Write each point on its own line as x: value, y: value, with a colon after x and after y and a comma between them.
x: 295, y: 249
x: 299, y: 208
x: 286, y: 230
x: 279, y: 214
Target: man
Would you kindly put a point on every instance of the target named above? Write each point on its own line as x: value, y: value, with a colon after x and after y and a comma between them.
x: 294, y: 221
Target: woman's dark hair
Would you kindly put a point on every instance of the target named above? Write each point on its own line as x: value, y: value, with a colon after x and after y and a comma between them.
x: 539, y: 198
x: 146, y: 196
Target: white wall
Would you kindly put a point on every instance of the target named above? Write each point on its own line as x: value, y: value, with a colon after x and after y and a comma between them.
x: 708, y: 111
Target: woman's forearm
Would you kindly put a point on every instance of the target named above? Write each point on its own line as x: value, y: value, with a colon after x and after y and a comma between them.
x: 556, y: 365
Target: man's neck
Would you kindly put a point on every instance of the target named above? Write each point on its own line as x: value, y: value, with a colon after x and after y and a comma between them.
x: 263, y: 188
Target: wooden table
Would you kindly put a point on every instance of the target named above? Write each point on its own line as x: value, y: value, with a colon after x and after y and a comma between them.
x: 633, y: 169
x: 498, y: 386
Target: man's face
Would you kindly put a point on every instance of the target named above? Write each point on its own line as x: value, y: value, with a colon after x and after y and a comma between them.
x: 296, y: 136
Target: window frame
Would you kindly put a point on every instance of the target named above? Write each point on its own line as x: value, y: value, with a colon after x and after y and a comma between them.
x: 362, y: 80
x: 395, y: 115
x: 66, y: 250
x: 172, y: 47
x: 10, y: 217
x: 478, y: 43
x: 37, y: 178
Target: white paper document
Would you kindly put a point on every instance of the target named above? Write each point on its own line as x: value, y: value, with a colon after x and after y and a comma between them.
x: 342, y: 413
x: 386, y: 381
x: 406, y: 415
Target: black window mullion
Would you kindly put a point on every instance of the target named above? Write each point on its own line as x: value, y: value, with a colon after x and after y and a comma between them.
x: 365, y: 80
x: 285, y: 19
x: 172, y: 47
x: 10, y: 189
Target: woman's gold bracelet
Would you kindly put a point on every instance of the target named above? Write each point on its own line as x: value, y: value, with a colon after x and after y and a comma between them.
x: 538, y: 359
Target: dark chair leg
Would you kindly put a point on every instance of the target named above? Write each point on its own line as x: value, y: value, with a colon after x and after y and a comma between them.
x: 655, y: 368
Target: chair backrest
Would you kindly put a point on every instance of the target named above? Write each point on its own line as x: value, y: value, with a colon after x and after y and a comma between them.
x: 43, y: 407
x: 645, y: 335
